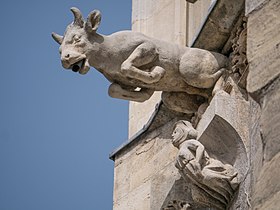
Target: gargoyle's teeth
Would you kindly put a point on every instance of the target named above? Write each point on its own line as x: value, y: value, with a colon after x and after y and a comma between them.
x: 77, y: 66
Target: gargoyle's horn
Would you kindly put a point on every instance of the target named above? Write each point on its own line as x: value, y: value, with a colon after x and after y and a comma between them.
x: 57, y: 38
x: 78, y: 17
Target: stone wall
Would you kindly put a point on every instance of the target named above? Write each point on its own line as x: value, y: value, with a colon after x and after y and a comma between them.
x: 145, y: 175
x: 196, y: 14
x: 145, y: 172
x: 263, y: 83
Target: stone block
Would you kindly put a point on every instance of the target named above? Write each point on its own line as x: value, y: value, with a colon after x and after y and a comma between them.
x: 233, y: 109
x: 270, y: 122
x: 256, y: 150
x: 137, y: 199
x: 150, y: 160
x: 197, y: 14
x: 252, y: 5
x: 121, y: 180
x: 263, y: 46
x: 268, y: 185
x: 272, y: 204
x: 139, y: 113
x: 163, y: 182
x: 145, y: 168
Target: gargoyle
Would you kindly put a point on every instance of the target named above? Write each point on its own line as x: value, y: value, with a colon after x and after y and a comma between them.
x: 138, y: 65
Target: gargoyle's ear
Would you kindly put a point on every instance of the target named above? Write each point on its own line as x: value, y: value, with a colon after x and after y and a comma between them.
x: 93, y: 21
x: 57, y: 38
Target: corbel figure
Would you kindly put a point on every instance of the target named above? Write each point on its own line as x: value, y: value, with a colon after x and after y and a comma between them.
x: 213, y: 182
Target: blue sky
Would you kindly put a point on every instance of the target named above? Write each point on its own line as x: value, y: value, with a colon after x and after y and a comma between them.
x: 57, y: 127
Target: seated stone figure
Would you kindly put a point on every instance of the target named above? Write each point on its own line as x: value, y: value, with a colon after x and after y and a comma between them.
x: 214, y: 182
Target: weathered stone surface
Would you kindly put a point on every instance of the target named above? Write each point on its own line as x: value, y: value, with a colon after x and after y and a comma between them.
x: 137, y: 199
x: 233, y: 109
x: 252, y: 5
x: 266, y: 191
x: 264, y: 83
x: 145, y: 169
x: 263, y: 48
x: 170, y: 190
x: 270, y: 122
x: 169, y: 16
x: 256, y: 150
x: 217, y: 27
x: 272, y: 203
x: 197, y: 14
x: 139, y: 113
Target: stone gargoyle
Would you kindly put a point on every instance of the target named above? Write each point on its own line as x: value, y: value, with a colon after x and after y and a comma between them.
x: 138, y: 65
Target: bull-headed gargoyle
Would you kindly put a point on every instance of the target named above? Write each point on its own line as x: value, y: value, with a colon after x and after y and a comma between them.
x: 138, y: 65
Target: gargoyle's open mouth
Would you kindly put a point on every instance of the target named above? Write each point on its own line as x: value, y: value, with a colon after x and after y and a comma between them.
x: 78, y: 65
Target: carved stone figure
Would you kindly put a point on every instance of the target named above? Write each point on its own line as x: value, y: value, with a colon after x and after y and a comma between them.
x: 177, y: 205
x: 214, y: 182
x: 138, y: 65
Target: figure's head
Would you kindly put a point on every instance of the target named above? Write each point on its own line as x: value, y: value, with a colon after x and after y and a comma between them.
x: 183, y: 130
x: 75, y: 45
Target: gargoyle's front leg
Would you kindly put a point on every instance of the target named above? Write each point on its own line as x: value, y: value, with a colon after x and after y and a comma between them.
x: 144, y: 54
x: 117, y: 91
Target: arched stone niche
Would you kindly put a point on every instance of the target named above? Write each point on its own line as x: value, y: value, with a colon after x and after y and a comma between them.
x: 223, y: 131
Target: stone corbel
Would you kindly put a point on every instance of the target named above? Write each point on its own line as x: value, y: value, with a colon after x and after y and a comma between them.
x: 213, y: 157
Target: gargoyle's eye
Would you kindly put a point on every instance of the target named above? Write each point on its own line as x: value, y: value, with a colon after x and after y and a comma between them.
x: 76, y: 38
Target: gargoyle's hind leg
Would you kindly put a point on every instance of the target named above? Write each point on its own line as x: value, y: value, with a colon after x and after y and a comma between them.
x: 214, y: 77
x: 117, y: 91
x: 208, y: 81
x: 144, y: 54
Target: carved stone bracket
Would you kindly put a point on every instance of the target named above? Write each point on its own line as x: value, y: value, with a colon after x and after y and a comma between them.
x: 213, y: 157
